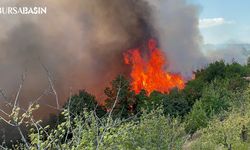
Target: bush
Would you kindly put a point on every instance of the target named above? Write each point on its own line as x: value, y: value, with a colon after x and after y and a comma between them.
x: 175, y: 104
x: 196, y: 119
x: 224, y: 134
x: 83, y: 101
x: 215, y: 99
x: 228, y: 132
x: 152, y: 131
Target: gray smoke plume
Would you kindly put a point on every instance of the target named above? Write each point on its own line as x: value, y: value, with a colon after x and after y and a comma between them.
x: 177, y: 25
x: 81, y: 42
x: 228, y: 52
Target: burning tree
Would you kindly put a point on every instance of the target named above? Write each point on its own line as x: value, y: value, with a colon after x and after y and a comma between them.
x: 148, y: 72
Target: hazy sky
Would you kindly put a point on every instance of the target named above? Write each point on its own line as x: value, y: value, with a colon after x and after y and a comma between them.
x: 224, y: 21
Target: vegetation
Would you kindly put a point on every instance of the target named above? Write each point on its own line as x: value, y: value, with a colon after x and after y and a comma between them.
x: 212, y: 112
x: 83, y: 101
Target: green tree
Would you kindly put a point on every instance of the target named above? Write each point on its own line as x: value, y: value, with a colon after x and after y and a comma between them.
x: 215, y: 99
x: 224, y: 134
x: 248, y: 61
x: 193, y: 90
x: 121, y: 100
x: 142, y: 101
x: 83, y: 101
x: 233, y: 73
x: 175, y: 103
x: 196, y: 119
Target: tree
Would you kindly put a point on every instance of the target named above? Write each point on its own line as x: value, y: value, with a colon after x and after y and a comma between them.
x: 224, y: 134
x: 83, y: 101
x: 142, y: 101
x: 121, y: 100
x: 193, y: 90
x: 219, y: 71
x: 248, y: 61
x: 175, y: 103
x: 215, y: 99
x: 149, y: 103
x: 196, y: 119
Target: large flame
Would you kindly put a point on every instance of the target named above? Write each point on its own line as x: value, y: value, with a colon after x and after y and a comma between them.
x: 148, y: 72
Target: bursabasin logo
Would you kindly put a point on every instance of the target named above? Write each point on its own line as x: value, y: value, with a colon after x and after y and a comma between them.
x: 23, y: 10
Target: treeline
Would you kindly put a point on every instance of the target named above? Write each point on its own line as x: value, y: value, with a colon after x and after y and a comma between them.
x: 212, y: 91
x: 212, y: 112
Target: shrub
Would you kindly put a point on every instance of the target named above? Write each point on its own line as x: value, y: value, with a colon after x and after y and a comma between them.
x: 215, y: 99
x: 152, y: 131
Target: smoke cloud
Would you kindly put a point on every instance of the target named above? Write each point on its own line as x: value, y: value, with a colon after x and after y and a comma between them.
x: 228, y: 52
x: 177, y: 26
x: 81, y: 42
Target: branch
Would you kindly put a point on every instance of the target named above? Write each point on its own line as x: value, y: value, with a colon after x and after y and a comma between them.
x: 52, y: 85
x: 23, y: 138
x: 68, y: 130
x: 5, y: 97
x: 8, y: 122
x: 109, y: 116
x: 116, y: 99
x: 19, y: 90
x: 38, y: 133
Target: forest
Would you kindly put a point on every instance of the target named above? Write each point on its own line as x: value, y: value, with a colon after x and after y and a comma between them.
x: 211, y: 112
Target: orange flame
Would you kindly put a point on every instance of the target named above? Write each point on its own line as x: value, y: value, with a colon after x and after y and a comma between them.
x: 149, y: 74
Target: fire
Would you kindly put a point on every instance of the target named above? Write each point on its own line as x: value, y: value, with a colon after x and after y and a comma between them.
x: 148, y: 72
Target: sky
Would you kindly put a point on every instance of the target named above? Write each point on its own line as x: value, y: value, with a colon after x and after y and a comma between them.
x: 224, y: 21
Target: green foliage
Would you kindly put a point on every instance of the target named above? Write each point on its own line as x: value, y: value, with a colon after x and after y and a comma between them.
x: 83, y: 101
x: 218, y: 88
x: 193, y: 90
x: 214, y: 70
x: 230, y: 131
x: 216, y: 104
x: 179, y: 103
x: 224, y: 134
x: 248, y: 61
x: 175, y: 104
x: 220, y: 71
x: 120, y: 96
x: 106, y: 133
x: 142, y: 101
x: 77, y: 105
x: 149, y: 103
x: 165, y: 133
x: 196, y: 119
x: 215, y: 99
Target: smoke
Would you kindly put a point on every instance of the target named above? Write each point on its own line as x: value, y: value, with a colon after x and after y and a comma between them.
x: 81, y: 42
x: 177, y: 24
x: 228, y: 52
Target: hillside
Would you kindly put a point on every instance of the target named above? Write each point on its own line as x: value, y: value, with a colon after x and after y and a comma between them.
x: 211, y: 112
